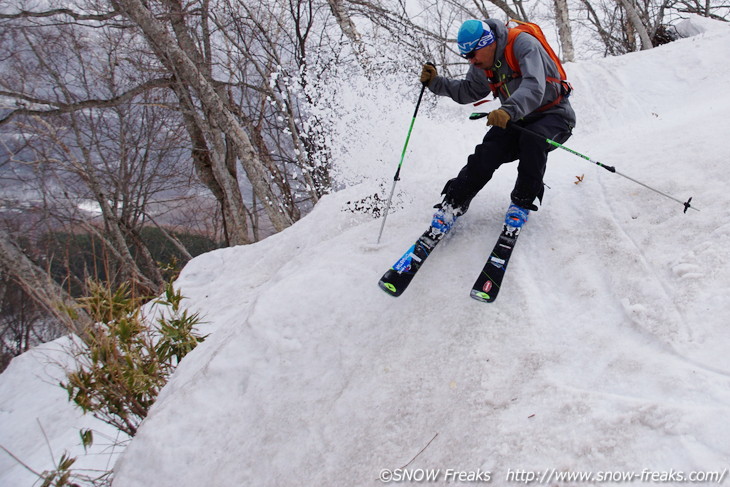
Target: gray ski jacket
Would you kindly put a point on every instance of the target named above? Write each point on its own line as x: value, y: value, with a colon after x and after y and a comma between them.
x: 521, y: 96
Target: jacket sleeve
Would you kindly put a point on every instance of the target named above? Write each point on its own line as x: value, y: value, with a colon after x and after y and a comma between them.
x: 530, y: 93
x: 473, y: 87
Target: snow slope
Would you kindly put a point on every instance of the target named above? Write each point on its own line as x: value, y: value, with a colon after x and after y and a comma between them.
x: 606, y: 350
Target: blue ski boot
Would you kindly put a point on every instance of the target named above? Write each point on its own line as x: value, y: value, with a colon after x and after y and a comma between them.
x: 516, y: 216
x: 443, y: 220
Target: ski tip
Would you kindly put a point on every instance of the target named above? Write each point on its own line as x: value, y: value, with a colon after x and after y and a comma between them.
x: 481, y: 296
x: 390, y: 289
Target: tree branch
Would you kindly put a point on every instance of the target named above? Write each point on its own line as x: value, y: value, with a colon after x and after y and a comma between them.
x: 26, y: 14
x: 61, y: 108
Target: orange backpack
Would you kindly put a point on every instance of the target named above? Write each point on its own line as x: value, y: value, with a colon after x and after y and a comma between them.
x: 509, y: 54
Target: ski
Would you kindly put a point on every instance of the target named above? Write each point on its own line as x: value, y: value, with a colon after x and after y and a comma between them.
x: 398, y: 277
x: 489, y: 282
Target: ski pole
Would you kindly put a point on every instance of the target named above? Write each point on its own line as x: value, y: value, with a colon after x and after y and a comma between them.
x: 396, y: 178
x: 686, y: 204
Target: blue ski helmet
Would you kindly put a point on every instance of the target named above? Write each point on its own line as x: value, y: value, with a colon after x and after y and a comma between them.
x: 473, y: 35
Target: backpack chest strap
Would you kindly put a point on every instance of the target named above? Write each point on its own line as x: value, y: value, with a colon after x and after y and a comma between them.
x: 498, y: 86
x: 495, y: 84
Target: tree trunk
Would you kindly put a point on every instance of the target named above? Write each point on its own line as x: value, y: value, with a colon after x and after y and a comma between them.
x: 637, y: 24
x: 206, y: 165
x: 39, y: 285
x: 565, y: 33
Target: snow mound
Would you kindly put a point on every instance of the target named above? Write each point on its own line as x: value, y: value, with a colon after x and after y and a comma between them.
x: 38, y: 424
x: 696, y: 25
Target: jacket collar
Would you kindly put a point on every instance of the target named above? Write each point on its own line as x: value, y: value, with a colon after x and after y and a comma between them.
x: 500, y: 31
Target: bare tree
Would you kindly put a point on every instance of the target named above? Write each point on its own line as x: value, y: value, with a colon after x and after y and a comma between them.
x: 121, y: 157
x: 180, y: 56
x: 714, y: 9
x: 223, y: 134
x: 109, y: 98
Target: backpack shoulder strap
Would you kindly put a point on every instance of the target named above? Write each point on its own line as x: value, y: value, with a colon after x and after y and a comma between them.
x: 509, y: 49
x: 535, y: 31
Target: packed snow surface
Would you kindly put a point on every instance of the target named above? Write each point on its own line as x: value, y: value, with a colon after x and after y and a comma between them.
x: 607, y: 350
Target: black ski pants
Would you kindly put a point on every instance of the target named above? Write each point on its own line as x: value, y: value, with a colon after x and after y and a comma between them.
x: 507, y: 145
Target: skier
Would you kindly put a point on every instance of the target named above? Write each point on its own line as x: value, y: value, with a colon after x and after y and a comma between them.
x: 535, y: 99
